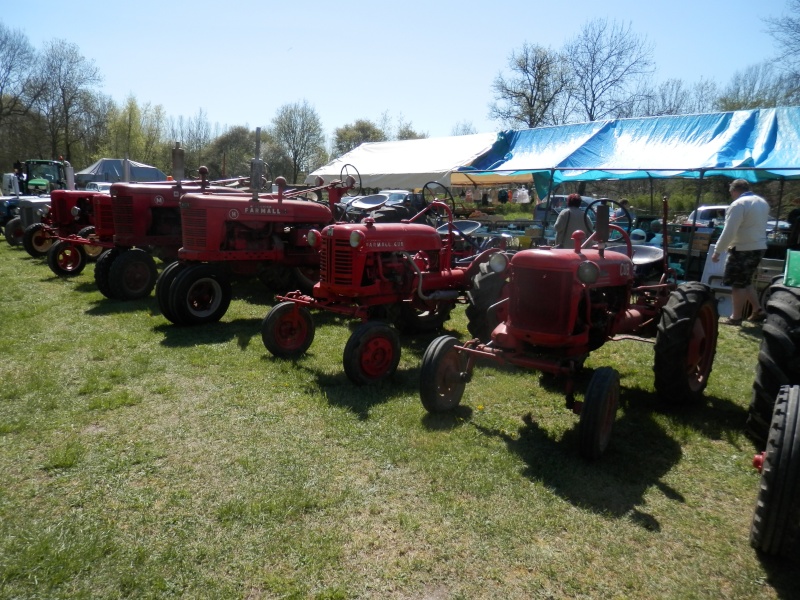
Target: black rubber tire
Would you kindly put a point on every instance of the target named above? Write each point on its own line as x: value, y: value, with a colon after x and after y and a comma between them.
x: 102, y: 268
x: 278, y: 278
x: 686, y: 344
x: 92, y: 252
x: 163, y: 286
x: 372, y: 353
x: 778, y: 360
x: 442, y: 376
x: 411, y: 320
x: 133, y: 275
x: 288, y: 330
x: 66, y: 259
x: 200, y: 294
x: 486, y: 290
x: 306, y: 278
x: 13, y: 232
x: 37, y: 239
x: 598, y: 413
x: 776, y: 520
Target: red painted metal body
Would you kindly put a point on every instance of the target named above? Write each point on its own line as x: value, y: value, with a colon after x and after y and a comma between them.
x: 62, y: 203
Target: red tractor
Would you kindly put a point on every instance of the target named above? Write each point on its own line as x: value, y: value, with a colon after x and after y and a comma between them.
x: 226, y: 235
x: 71, y: 213
x: 384, y: 274
x: 69, y: 252
x: 557, y: 305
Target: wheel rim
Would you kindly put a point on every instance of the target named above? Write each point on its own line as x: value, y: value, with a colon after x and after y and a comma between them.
x: 69, y: 259
x: 94, y: 251
x: 701, y: 348
x: 137, y: 277
x: 41, y: 241
x: 376, y: 356
x: 291, y: 330
x: 449, y: 381
x: 204, y: 297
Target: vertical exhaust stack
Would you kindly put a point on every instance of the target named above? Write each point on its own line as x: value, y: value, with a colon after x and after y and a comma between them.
x: 126, y: 169
x: 256, y: 168
x: 178, y: 164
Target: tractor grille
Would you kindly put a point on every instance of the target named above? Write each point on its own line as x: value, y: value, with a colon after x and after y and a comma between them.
x: 123, y: 215
x: 194, y: 228
x: 542, y: 302
x: 103, y: 218
x: 28, y: 215
x: 336, y: 261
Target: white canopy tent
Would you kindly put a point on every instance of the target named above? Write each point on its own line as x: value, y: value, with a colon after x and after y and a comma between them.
x: 408, y: 164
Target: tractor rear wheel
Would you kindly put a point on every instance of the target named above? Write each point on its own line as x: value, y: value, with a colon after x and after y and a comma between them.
x: 92, y: 252
x: 200, y: 294
x: 372, y: 353
x: 776, y: 520
x: 37, y: 239
x: 598, y: 413
x: 13, y: 231
x: 277, y: 278
x: 442, y: 376
x: 102, y: 268
x: 686, y: 344
x: 133, y: 275
x: 487, y: 289
x: 66, y: 259
x: 288, y: 330
x: 778, y: 363
x: 163, y: 286
x: 413, y: 320
x: 306, y: 278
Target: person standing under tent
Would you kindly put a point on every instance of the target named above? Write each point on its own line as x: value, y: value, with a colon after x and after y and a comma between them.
x: 744, y: 237
x: 569, y: 220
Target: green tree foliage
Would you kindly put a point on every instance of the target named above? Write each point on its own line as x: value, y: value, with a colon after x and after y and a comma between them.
x: 354, y: 134
x: 297, y: 130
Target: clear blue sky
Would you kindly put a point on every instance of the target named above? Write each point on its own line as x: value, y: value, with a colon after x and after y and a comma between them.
x: 430, y: 63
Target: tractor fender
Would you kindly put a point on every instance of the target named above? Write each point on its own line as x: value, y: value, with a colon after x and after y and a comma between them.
x: 481, y: 258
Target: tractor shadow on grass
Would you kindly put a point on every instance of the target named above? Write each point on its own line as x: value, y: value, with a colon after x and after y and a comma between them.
x: 242, y: 330
x: 782, y: 573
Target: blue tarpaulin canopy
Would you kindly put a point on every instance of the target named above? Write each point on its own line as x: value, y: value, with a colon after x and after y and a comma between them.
x: 755, y: 145
x: 113, y: 169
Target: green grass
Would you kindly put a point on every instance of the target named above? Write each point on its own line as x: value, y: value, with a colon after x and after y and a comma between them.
x: 142, y: 460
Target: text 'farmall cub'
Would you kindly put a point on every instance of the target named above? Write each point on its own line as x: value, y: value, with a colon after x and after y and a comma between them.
x: 558, y: 305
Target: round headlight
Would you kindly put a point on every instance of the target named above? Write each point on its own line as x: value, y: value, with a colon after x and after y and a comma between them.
x: 357, y: 238
x: 498, y: 262
x: 313, y: 238
x: 75, y: 212
x: 41, y: 212
x: 588, y: 272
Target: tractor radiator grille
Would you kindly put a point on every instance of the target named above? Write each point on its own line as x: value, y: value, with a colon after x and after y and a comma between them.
x: 194, y: 229
x: 123, y: 215
x: 542, y: 302
x: 103, y: 218
x: 28, y: 215
x: 336, y: 262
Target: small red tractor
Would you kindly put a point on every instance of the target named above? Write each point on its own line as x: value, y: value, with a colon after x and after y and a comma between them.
x: 555, y: 306
x: 384, y: 274
x: 69, y: 253
x: 226, y: 235
x: 71, y: 212
x: 774, y: 420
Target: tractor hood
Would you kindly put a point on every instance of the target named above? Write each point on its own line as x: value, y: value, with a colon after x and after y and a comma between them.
x: 389, y: 237
x: 240, y: 207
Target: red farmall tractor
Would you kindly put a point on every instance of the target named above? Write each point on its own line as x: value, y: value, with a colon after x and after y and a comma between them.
x: 71, y: 213
x: 558, y: 305
x: 227, y: 235
x: 69, y: 252
x: 391, y: 276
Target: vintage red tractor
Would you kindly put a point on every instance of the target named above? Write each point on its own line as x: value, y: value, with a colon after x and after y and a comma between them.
x: 70, y: 252
x: 391, y: 276
x: 227, y: 235
x: 71, y: 212
x: 558, y: 305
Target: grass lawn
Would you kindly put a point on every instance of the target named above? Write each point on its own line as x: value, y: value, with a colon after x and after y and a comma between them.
x: 143, y: 460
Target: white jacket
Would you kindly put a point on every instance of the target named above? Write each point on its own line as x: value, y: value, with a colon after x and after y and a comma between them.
x: 745, y: 224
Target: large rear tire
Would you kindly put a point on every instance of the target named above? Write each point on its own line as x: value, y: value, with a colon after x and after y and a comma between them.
x: 598, y: 413
x: 778, y: 360
x: 372, y: 353
x: 37, y: 239
x: 442, y: 377
x: 133, y: 275
x: 163, y: 286
x: 415, y: 320
x: 66, y: 259
x: 288, y: 330
x: 686, y: 344
x: 200, y: 294
x: 487, y: 289
x: 776, y: 520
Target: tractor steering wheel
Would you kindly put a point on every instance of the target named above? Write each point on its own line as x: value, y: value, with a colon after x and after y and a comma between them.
x: 429, y: 192
x: 351, y: 170
x: 627, y: 216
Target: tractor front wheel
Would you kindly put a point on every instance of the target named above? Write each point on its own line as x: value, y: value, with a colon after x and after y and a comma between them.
x: 443, y: 376
x: 686, y: 344
x: 37, y: 239
x: 598, y: 413
x: 66, y: 259
x: 13, y: 231
x: 288, y: 330
x: 102, y: 269
x: 163, y: 286
x: 372, y: 353
x: 776, y: 520
x: 133, y: 275
x: 200, y: 294
x: 92, y: 252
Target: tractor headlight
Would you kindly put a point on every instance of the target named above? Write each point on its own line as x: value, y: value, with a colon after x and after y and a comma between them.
x: 314, y: 238
x: 41, y: 211
x: 498, y: 262
x: 588, y: 272
x: 357, y: 238
x: 75, y: 212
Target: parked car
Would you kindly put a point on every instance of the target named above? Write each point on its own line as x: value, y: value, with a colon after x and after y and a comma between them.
x: 714, y: 215
x: 102, y: 187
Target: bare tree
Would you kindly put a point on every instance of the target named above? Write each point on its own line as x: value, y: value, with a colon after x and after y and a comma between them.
x: 530, y: 96
x: 463, y: 128
x: 607, y: 62
x: 757, y: 86
x: 298, y: 130
x: 786, y: 30
x: 19, y: 86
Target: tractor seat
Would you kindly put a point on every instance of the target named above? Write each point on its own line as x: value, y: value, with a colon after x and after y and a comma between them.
x: 459, y: 227
x: 642, y: 255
